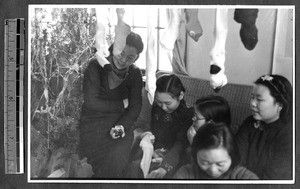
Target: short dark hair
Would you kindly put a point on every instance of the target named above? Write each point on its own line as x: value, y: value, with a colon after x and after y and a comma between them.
x: 281, y: 89
x: 169, y: 83
x: 214, y: 135
x: 135, y: 40
x: 214, y: 108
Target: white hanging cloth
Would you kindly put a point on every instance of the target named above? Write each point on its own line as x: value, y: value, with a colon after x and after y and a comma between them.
x: 151, y: 59
x: 172, y: 31
x: 218, y: 78
x: 122, y: 30
x: 100, y: 36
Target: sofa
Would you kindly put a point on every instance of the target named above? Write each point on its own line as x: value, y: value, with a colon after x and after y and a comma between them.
x: 238, y: 97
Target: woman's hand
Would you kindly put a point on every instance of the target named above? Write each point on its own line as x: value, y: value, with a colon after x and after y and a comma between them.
x: 117, y: 132
x: 159, y: 153
x: 191, y: 133
x: 158, y: 173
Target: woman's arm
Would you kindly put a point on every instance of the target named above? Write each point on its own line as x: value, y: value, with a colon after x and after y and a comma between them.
x: 172, y: 158
x: 184, y: 172
x: 135, y: 100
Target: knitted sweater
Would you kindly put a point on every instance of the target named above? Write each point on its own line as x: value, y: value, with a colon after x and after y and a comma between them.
x: 102, y: 102
x: 170, y: 132
x: 266, y: 149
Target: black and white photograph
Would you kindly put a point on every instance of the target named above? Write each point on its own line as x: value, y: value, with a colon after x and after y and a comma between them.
x: 159, y: 94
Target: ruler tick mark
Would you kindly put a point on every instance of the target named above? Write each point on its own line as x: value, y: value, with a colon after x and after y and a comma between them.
x: 13, y: 80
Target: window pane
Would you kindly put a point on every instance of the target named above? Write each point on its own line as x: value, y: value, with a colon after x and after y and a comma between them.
x: 140, y: 16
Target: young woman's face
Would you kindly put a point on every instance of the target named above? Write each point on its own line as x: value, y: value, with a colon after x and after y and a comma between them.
x: 126, y: 58
x: 198, y: 121
x: 167, y: 102
x: 263, y: 105
x: 215, y: 162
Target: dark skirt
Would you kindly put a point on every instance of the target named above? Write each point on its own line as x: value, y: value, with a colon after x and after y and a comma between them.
x: 107, y: 156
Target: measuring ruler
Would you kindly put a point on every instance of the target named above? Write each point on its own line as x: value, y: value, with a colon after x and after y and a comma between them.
x: 13, y: 95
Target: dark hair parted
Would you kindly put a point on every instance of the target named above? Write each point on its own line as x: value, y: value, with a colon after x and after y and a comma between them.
x: 214, y: 108
x: 214, y: 135
x: 281, y: 89
x: 169, y: 83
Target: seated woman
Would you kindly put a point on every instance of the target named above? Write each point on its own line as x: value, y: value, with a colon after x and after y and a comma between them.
x: 170, y: 120
x: 215, y: 156
x: 265, y: 137
x: 207, y: 109
x: 210, y: 108
x: 112, y: 103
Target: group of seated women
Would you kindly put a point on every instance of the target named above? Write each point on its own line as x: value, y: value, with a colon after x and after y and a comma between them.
x: 197, y: 143
x: 187, y: 142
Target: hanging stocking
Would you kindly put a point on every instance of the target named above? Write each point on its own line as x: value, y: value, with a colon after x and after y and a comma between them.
x: 193, y: 25
x: 151, y: 64
x: 171, y: 34
x: 248, y: 31
x: 147, y: 146
x: 121, y: 32
x: 101, y: 43
x: 217, y: 54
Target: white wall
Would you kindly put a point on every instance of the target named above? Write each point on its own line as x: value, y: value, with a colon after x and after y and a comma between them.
x: 242, y: 66
x: 283, y: 47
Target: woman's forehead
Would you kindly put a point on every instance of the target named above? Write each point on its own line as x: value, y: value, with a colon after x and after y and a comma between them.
x: 164, y: 97
x: 261, y: 90
x: 213, y: 154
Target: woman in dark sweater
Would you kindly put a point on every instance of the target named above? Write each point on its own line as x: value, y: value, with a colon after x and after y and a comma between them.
x: 170, y: 120
x: 265, y: 138
x: 112, y: 103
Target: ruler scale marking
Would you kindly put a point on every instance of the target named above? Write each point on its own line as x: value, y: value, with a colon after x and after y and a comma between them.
x: 13, y: 95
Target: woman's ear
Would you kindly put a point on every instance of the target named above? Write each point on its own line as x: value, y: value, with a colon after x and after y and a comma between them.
x: 181, y: 95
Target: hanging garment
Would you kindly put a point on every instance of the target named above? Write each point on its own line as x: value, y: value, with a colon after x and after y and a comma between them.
x: 193, y: 26
x: 218, y: 78
x: 248, y: 31
x: 121, y: 32
x: 172, y: 31
x: 100, y: 37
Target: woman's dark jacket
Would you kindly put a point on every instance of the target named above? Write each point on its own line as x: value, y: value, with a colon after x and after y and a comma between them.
x: 266, y: 149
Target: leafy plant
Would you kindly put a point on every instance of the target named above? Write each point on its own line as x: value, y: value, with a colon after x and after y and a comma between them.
x: 62, y: 43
